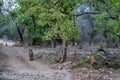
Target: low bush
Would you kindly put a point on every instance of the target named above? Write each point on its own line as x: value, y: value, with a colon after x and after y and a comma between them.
x: 101, y: 62
x: 114, y: 65
x: 84, y: 63
x: 54, y: 59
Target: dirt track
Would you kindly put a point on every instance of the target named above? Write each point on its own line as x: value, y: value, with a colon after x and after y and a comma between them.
x: 18, y: 59
x: 21, y: 68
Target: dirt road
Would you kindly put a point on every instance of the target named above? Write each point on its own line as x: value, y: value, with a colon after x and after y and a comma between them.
x: 18, y: 59
x: 21, y: 68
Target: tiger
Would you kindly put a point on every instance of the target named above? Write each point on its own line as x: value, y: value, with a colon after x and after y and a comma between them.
x: 31, y: 55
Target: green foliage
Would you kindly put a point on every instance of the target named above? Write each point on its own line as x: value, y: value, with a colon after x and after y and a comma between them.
x: 103, y: 63
x: 1, y: 3
x: 53, y: 19
x: 57, y: 17
x: 100, y: 63
x: 54, y: 59
x: 107, y: 21
x: 65, y: 31
x: 3, y: 20
x: 58, y: 23
x: 85, y: 63
x: 68, y: 31
x: 114, y: 65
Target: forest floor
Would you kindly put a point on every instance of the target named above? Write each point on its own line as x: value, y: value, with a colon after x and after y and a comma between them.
x: 15, y: 65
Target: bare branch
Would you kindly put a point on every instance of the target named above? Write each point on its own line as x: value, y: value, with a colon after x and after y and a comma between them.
x: 80, y: 14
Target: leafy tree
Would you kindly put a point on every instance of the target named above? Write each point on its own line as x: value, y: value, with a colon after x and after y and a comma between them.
x: 31, y: 9
x: 59, y: 22
x: 53, y: 17
x: 106, y: 17
x: 14, y: 15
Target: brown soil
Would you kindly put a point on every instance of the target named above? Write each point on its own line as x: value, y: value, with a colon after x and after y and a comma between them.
x: 18, y: 59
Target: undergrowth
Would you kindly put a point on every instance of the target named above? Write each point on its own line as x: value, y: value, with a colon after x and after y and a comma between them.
x: 100, y: 63
x: 54, y: 59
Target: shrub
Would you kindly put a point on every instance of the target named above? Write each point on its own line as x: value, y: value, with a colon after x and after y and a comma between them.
x: 54, y: 59
x: 114, y: 65
x: 100, y: 63
x: 85, y: 63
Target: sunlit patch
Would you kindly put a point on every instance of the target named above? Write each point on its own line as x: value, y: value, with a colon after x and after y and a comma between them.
x: 6, y: 42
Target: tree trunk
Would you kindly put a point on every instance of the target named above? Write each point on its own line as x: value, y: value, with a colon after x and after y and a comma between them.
x: 73, y: 42
x: 92, y: 33
x: 106, y: 37
x: 64, y: 51
x: 117, y: 42
x: 80, y: 44
x: 20, y: 34
x: 33, y: 19
x: 54, y: 43
x: 18, y: 30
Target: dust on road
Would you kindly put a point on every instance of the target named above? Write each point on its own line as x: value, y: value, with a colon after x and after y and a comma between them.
x: 18, y: 59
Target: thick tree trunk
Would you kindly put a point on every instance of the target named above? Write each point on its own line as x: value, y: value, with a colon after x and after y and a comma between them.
x: 73, y: 42
x: 18, y: 30
x: 33, y: 19
x: 91, y: 38
x: 20, y: 34
x: 64, y: 51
